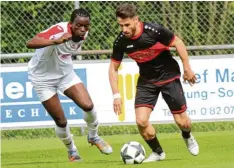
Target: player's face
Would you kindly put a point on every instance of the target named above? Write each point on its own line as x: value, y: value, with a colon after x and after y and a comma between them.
x: 80, y: 26
x: 128, y: 26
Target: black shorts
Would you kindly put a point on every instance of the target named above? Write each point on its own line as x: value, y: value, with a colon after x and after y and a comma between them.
x: 172, y: 92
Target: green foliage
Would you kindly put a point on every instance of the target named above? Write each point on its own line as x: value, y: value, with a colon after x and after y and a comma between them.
x: 198, y: 23
x: 20, y: 21
x: 115, y: 130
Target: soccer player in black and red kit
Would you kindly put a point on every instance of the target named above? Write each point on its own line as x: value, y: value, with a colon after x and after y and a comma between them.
x: 148, y: 44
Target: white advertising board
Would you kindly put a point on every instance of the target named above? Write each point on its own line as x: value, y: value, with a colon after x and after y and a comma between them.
x: 210, y: 99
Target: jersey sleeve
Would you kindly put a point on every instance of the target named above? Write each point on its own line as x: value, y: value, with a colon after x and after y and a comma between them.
x: 164, y: 36
x: 118, y: 53
x: 54, y: 32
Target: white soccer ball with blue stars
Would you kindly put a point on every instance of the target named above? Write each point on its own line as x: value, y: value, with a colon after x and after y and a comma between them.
x: 132, y: 153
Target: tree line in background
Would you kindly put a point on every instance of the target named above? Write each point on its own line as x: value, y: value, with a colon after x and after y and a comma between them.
x: 197, y: 23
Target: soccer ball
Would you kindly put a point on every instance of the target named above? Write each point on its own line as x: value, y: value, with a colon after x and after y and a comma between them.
x: 132, y: 153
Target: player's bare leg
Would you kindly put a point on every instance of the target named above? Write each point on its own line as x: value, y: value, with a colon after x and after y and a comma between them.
x: 62, y: 130
x: 148, y: 133
x: 79, y: 94
x: 184, y: 122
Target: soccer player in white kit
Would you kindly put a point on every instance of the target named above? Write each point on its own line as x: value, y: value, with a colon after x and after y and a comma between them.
x: 51, y: 70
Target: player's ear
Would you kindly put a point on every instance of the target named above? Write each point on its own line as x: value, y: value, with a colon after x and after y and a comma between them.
x: 136, y: 18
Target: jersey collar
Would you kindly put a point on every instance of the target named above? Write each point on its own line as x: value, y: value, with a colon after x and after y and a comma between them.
x: 138, y: 35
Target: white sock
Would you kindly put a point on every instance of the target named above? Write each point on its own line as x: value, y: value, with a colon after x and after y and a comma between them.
x: 92, y: 122
x: 65, y: 136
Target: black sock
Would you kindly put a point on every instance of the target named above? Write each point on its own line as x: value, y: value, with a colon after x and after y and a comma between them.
x: 154, y: 145
x: 186, y: 134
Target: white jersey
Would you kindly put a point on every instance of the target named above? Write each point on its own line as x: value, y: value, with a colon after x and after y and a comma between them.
x: 55, y: 61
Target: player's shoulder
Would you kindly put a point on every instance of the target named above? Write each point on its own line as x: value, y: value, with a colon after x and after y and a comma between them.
x: 119, y: 39
x: 55, y: 31
x: 153, y: 27
x: 62, y: 26
x: 152, y: 24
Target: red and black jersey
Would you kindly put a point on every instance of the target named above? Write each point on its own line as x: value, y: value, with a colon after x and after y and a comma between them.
x: 150, y: 49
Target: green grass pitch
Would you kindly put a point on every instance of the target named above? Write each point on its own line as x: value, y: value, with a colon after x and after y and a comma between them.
x: 216, y: 151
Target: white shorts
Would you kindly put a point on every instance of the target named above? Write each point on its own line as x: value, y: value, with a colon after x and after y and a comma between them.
x: 45, y: 90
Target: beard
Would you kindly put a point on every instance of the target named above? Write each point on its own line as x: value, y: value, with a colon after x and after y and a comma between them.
x: 132, y: 33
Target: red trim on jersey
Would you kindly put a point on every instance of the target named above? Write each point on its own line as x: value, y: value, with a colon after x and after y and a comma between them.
x: 149, y: 53
x: 138, y: 35
x: 112, y: 59
x: 69, y: 28
x: 144, y: 105
x: 183, y: 109
x: 50, y: 32
x: 166, y: 81
x: 173, y: 39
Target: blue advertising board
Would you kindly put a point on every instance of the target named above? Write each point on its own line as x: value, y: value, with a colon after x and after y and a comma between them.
x: 19, y: 102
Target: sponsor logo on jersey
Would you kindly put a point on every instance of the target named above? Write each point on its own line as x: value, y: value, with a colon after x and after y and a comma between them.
x: 130, y: 46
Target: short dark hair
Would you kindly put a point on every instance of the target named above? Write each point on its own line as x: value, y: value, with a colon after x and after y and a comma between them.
x: 126, y: 11
x: 79, y: 12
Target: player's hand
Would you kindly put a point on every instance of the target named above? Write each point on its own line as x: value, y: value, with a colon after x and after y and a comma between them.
x: 117, y: 104
x: 65, y: 37
x: 190, y: 77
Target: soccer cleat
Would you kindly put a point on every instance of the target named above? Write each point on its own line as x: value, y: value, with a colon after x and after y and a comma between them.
x: 192, y: 145
x: 103, y: 146
x: 73, y: 155
x: 155, y: 157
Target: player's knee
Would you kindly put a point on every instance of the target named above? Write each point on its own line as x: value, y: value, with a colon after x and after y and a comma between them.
x: 187, y: 124
x: 88, y: 106
x: 142, y: 123
x: 184, y: 124
x: 61, y: 122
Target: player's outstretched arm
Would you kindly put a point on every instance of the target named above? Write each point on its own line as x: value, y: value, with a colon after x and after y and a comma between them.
x: 40, y: 42
x: 113, y: 78
x: 182, y: 51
